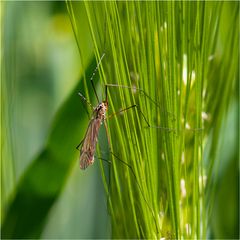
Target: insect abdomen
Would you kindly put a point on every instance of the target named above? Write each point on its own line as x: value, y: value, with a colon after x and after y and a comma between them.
x: 86, y: 160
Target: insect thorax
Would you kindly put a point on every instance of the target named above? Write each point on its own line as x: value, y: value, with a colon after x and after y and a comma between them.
x: 101, y: 110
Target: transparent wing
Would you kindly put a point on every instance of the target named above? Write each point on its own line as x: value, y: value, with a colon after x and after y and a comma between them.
x: 89, y: 144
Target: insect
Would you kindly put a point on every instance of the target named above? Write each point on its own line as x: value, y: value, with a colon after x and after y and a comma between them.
x: 90, y: 140
x: 88, y: 144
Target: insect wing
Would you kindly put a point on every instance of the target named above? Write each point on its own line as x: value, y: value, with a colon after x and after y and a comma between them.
x: 86, y: 160
x: 89, y: 144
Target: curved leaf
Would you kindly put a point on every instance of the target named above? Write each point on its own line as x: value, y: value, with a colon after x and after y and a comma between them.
x: 43, y: 181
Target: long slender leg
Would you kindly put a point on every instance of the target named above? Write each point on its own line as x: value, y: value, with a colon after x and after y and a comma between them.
x: 133, y: 173
x: 139, y: 186
x: 95, y: 92
x: 106, y: 95
x: 144, y: 93
x: 120, y: 111
x: 105, y: 160
x: 109, y: 175
x: 93, y: 74
x: 125, y: 109
x: 107, y: 133
x: 143, y: 116
x: 85, y: 101
x: 77, y: 147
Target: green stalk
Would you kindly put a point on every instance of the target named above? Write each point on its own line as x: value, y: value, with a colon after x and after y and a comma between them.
x: 163, y: 49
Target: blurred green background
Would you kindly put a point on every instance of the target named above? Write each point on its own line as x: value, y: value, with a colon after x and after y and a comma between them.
x: 40, y: 67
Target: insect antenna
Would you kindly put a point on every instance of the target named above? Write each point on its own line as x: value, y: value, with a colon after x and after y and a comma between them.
x: 84, y: 99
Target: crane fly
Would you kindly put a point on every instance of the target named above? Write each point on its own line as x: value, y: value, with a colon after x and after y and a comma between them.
x: 90, y: 140
x: 88, y: 144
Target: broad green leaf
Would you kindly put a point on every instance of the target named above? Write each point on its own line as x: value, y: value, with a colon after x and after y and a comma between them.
x: 45, y: 178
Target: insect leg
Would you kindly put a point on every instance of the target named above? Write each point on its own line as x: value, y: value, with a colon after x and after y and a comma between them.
x: 107, y: 179
x: 77, y: 147
x: 135, y: 177
x: 143, y: 116
x: 141, y: 91
x: 122, y: 110
x: 106, y: 96
x: 133, y: 173
x: 156, y: 103
x: 93, y: 74
x: 105, y: 160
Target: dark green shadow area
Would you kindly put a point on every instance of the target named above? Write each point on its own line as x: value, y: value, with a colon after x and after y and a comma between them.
x: 41, y: 184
